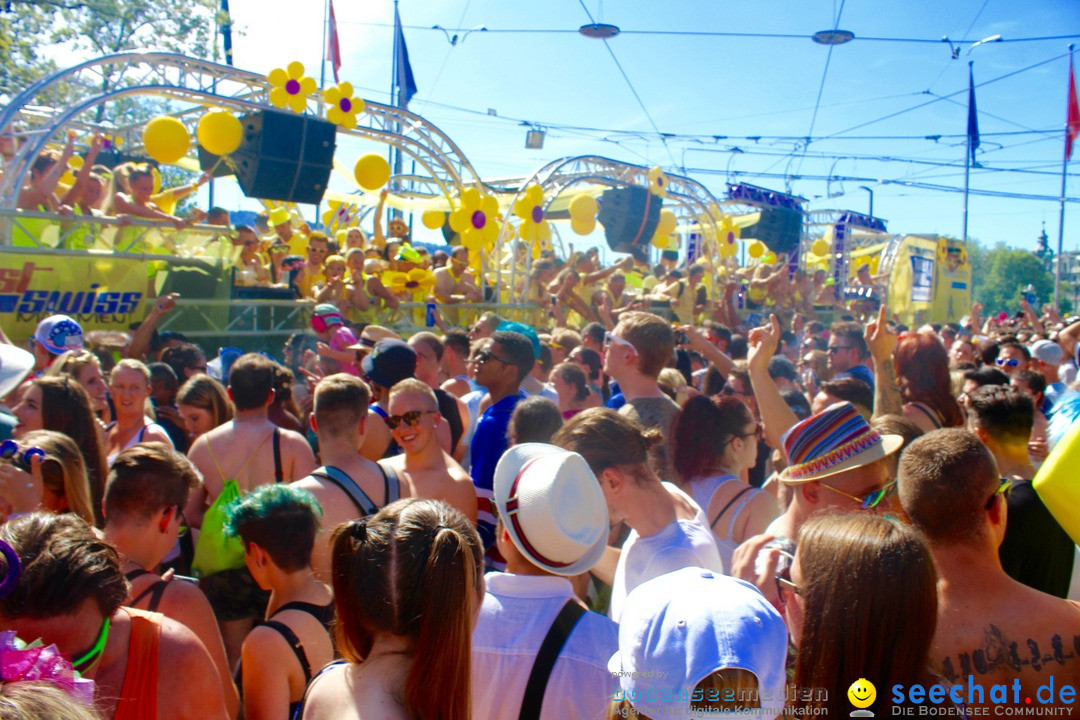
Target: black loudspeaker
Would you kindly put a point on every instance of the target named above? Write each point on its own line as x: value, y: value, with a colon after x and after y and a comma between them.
x: 629, y: 216
x: 779, y: 228
x: 285, y: 156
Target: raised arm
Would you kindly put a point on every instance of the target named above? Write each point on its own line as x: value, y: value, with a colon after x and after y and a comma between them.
x: 140, y: 340
x: 72, y: 196
x: 882, y: 342
x: 776, y: 416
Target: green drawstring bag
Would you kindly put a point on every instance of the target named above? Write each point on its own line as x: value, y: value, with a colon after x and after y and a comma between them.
x: 214, y: 552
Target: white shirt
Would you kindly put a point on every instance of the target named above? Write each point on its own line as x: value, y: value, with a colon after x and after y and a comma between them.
x: 515, y: 617
x: 683, y: 543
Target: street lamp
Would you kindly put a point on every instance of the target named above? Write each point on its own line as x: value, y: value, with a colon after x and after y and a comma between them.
x: 863, y: 187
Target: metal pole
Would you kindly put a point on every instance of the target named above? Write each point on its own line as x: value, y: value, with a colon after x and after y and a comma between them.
x: 322, y: 50
x: 967, y: 164
x: 863, y: 187
x: 1061, y: 200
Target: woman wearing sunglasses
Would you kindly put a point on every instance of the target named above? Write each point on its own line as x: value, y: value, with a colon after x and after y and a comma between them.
x: 713, y: 445
x: 855, y: 579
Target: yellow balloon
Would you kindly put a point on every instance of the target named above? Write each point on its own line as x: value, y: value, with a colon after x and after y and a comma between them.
x: 667, y: 223
x: 770, y: 258
x: 659, y: 241
x: 372, y: 171
x: 582, y: 226
x: 433, y: 219
x: 820, y: 248
x: 756, y: 249
x: 166, y: 139
x: 583, y: 207
x: 219, y: 132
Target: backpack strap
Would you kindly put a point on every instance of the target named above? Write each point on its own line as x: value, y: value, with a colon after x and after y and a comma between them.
x: 155, y: 591
x: 391, y: 483
x: 549, y: 651
x: 347, y: 485
x: 294, y: 642
x: 278, y: 476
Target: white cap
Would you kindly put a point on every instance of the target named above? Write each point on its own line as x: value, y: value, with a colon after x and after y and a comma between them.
x: 680, y: 628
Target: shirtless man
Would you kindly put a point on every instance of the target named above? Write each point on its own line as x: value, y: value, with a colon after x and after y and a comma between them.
x: 425, y: 469
x: 148, y: 484
x: 991, y: 629
x: 243, y: 450
x: 71, y: 584
x: 453, y: 284
x: 455, y: 360
x: 340, y: 420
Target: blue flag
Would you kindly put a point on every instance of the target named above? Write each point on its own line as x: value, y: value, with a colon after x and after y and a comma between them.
x: 225, y: 21
x: 973, y: 116
x: 404, y: 81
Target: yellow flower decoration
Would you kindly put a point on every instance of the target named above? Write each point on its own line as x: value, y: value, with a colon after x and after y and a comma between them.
x: 74, y: 165
x: 476, y: 221
x: 418, y: 282
x: 343, y: 106
x: 658, y: 182
x: 291, y: 88
x: 530, y: 208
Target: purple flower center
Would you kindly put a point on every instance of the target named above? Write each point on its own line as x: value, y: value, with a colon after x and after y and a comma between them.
x: 537, y: 214
x: 479, y: 220
x: 292, y: 86
x: 730, y: 237
x: 660, y: 180
x: 345, y: 105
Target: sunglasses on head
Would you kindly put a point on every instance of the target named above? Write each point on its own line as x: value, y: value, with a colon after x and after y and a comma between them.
x: 411, y: 418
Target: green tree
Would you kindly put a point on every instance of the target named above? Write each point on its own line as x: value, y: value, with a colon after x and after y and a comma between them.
x: 35, y: 32
x: 1001, y: 274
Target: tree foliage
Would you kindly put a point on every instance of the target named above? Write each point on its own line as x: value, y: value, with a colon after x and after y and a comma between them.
x: 38, y: 36
x: 1000, y: 274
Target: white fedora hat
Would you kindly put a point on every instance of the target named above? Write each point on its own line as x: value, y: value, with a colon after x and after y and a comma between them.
x: 552, y: 506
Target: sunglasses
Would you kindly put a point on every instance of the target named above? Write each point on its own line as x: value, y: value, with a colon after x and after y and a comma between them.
x: 872, y: 499
x: 88, y: 659
x: 833, y: 349
x: 610, y: 338
x: 1006, y: 362
x: 782, y: 584
x: 411, y: 418
x: 484, y: 355
x: 1002, y: 489
x: 758, y: 432
x: 729, y: 391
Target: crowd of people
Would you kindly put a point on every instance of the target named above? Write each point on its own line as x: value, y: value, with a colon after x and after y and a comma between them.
x: 641, y: 506
x: 643, y: 518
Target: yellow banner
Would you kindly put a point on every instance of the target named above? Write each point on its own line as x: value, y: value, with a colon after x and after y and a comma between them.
x: 102, y: 292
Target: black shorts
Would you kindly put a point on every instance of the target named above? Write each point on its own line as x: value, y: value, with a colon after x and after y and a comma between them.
x: 234, y: 595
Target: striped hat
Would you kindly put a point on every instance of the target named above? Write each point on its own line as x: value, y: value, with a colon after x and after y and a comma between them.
x: 835, y: 440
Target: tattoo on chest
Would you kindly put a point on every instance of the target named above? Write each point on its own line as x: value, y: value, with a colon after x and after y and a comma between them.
x: 1000, y: 653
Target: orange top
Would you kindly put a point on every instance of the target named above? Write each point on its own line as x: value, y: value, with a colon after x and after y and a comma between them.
x: 138, y: 696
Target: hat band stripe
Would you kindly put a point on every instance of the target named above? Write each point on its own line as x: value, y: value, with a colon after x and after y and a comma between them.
x: 847, y: 429
x: 511, y: 509
x: 833, y: 458
x: 842, y: 435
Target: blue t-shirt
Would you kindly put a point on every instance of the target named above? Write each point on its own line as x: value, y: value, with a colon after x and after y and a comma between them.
x: 860, y: 372
x: 488, y: 445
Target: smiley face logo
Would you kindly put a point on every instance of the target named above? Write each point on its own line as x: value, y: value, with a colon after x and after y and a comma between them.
x: 862, y: 693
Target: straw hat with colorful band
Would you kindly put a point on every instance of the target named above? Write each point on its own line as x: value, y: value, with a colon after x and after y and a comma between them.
x: 552, y: 507
x: 835, y: 440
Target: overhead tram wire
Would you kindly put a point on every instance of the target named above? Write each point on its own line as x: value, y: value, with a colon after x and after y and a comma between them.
x: 637, y: 97
x: 948, y: 63
x: 707, y: 33
x: 821, y: 86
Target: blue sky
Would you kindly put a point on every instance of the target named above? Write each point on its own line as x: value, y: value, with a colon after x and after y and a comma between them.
x: 713, y: 93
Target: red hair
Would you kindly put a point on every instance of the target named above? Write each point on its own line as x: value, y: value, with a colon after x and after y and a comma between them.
x: 923, y: 365
x: 701, y: 432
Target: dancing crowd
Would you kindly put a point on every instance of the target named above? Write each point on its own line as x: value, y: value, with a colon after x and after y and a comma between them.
x: 647, y: 504
x: 642, y: 519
